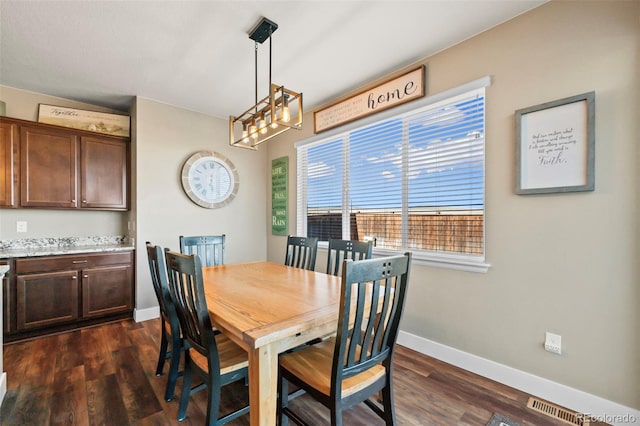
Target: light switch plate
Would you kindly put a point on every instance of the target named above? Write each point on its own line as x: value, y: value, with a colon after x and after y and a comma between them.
x: 21, y: 226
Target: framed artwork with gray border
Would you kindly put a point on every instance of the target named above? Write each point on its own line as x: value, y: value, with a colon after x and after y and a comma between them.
x: 555, y: 146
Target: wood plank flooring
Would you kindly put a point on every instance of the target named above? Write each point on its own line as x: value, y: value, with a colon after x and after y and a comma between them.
x: 105, y: 375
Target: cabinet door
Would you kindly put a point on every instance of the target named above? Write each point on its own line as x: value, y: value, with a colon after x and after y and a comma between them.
x: 48, y: 175
x: 103, y: 170
x: 8, y: 299
x: 46, y: 299
x: 8, y: 165
x: 106, y: 291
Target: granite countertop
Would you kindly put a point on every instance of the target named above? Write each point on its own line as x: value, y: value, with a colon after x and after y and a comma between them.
x: 30, y: 247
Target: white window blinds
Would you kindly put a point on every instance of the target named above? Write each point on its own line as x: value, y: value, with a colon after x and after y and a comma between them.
x: 410, y: 182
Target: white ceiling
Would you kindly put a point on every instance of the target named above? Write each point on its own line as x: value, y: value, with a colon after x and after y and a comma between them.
x: 197, y: 54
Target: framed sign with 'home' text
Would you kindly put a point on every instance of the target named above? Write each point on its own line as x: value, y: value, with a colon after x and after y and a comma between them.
x: 394, y: 92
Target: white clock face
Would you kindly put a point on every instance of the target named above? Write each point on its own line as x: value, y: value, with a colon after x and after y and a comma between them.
x: 209, y: 179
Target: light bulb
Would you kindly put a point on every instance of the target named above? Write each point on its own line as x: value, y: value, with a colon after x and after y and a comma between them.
x: 253, y: 131
x: 286, y: 114
x: 262, y: 125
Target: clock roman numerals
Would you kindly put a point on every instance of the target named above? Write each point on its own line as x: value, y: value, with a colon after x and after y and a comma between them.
x: 209, y: 179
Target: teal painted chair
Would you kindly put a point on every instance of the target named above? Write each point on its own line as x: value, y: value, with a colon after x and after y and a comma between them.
x: 341, y: 250
x: 301, y: 252
x: 214, y: 358
x: 355, y: 364
x: 210, y: 248
x: 170, y: 326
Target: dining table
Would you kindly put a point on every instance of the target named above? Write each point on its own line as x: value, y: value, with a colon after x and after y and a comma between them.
x: 268, y: 308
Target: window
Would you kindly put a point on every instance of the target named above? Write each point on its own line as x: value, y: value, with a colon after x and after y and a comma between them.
x: 413, y: 181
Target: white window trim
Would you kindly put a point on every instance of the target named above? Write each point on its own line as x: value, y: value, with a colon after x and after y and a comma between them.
x: 443, y: 260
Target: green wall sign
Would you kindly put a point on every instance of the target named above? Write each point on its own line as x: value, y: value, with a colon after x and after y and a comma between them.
x: 279, y: 196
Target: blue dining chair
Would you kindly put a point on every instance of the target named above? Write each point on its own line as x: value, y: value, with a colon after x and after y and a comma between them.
x: 169, y: 320
x: 355, y: 364
x: 216, y: 359
x: 210, y: 248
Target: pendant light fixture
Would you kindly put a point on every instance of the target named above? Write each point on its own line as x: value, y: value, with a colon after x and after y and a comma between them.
x: 272, y: 115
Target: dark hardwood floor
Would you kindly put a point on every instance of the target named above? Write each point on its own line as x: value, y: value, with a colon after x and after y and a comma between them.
x: 105, y: 375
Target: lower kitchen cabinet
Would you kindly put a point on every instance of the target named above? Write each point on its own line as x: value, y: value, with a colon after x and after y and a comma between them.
x: 46, y: 299
x: 106, y: 291
x: 54, y: 293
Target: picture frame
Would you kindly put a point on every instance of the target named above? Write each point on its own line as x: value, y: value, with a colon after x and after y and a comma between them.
x: 555, y: 146
x: 93, y: 121
x: 391, y: 93
x: 280, y: 196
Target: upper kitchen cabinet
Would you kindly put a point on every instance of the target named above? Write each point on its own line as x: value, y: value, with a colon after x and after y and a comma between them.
x: 48, y: 168
x: 103, y: 173
x: 71, y: 169
x: 9, y: 151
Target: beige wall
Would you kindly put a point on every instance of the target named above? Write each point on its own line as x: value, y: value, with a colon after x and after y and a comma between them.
x: 165, y: 137
x: 564, y: 263
x: 46, y: 222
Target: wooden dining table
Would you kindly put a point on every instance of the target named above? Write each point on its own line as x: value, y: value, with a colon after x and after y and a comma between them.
x: 267, y: 308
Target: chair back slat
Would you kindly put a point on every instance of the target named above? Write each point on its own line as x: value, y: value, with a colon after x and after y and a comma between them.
x: 341, y: 250
x: 158, y: 270
x: 301, y: 252
x: 187, y: 292
x: 371, y: 305
x: 209, y: 248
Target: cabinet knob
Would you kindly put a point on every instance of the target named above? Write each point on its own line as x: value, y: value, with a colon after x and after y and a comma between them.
x: 85, y: 276
x: 84, y: 201
x: 74, y: 277
x: 73, y: 201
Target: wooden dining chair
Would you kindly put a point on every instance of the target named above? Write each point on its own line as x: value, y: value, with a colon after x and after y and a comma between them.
x: 213, y: 357
x: 170, y: 326
x: 210, y: 248
x: 341, y: 250
x: 356, y: 364
x: 301, y: 252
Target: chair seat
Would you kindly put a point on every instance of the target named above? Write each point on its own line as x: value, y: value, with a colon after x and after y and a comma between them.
x: 313, y: 365
x: 232, y: 356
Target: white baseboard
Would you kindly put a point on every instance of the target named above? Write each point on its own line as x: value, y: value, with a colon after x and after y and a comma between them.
x: 3, y: 386
x: 579, y: 401
x: 140, y: 315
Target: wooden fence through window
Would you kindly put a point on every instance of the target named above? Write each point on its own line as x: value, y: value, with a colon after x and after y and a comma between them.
x: 455, y: 233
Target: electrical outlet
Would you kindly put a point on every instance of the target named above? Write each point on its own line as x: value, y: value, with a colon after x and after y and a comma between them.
x: 553, y: 343
x: 21, y: 226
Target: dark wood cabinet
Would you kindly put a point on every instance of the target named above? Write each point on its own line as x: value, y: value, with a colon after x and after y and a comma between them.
x: 9, y: 154
x: 103, y: 173
x: 53, y: 293
x: 8, y: 298
x: 48, y: 168
x: 64, y: 168
x: 106, y: 291
x: 46, y: 299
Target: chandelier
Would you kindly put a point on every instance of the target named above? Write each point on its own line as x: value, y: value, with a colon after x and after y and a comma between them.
x: 272, y: 115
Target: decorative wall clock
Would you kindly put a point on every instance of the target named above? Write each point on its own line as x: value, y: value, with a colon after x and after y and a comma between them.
x: 210, y: 179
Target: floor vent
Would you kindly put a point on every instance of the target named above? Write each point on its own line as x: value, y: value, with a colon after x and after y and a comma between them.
x: 557, y: 412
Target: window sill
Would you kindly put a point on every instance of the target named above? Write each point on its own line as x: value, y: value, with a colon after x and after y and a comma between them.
x: 438, y: 260
x: 441, y: 260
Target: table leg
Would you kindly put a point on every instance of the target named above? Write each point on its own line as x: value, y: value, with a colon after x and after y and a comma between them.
x: 263, y: 386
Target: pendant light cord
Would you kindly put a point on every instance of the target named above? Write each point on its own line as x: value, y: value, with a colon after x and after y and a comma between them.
x: 256, y: 75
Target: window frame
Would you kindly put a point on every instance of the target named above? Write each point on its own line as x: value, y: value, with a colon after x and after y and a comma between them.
x: 465, y: 262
